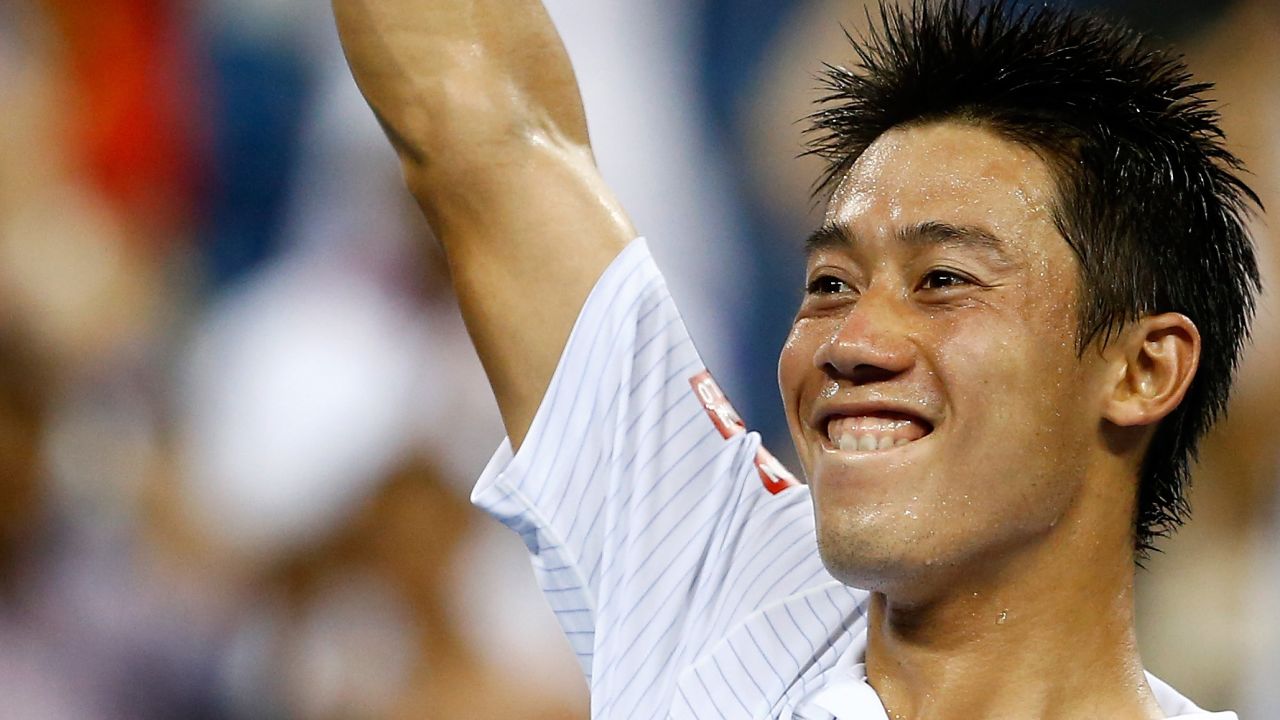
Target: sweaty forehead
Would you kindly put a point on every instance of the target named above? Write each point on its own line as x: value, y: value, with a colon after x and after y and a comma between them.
x: 947, y: 172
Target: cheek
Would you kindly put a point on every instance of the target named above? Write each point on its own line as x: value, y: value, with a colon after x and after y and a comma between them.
x: 797, y: 375
x: 1018, y: 387
x: 792, y: 363
x: 1015, y: 456
x: 795, y: 362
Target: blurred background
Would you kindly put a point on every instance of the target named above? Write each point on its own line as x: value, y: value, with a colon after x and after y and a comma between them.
x: 239, y: 415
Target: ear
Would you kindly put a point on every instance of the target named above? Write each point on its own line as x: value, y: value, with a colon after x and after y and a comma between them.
x: 1155, y: 359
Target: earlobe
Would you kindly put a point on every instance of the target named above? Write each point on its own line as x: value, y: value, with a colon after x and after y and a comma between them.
x: 1157, y: 358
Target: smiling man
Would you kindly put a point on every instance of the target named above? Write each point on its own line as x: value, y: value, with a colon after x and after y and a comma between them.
x: 947, y: 424
x: 1022, y: 311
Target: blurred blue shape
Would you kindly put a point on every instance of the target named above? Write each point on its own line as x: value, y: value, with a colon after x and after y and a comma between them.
x: 733, y: 42
x: 260, y: 95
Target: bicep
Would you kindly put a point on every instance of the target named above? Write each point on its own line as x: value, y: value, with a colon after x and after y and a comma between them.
x: 527, y: 234
x: 480, y: 101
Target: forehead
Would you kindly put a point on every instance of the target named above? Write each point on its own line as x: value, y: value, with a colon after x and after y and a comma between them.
x: 947, y: 172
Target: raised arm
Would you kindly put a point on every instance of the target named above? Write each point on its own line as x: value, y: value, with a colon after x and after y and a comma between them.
x: 480, y: 102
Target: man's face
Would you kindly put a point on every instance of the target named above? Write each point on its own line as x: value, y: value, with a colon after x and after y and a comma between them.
x: 931, y: 379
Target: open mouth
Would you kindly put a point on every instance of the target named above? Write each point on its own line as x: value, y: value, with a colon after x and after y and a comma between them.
x: 875, y: 432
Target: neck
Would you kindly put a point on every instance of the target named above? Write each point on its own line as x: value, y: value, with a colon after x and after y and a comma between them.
x: 1046, y: 634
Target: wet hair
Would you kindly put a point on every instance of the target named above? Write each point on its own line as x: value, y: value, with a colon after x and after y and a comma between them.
x: 1148, y: 196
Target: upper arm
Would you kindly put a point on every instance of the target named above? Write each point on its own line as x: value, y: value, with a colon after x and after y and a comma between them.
x: 526, y: 241
x: 480, y: 101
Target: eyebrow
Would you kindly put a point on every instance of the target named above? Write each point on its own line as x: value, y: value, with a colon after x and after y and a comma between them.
x: 829, y: 236
x: 926, y: 234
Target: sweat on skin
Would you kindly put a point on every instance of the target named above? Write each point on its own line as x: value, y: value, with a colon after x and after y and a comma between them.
x: 967, y: 463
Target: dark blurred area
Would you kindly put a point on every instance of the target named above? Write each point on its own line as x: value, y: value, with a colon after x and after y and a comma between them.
x: 240, y: 417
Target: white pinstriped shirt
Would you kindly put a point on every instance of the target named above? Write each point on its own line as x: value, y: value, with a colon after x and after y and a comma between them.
x: 679, y: 558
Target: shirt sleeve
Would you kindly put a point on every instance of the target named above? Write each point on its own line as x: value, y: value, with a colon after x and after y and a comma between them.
x: 654, y: 519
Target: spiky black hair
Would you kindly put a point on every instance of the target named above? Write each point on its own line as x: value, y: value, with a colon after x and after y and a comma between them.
x: 1148, y: 196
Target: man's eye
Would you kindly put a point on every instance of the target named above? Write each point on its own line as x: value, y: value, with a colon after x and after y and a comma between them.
x: 941, y: 279
x: 827, y: 285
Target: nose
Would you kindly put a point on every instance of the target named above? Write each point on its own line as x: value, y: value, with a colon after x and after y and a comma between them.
x: 872, y: 343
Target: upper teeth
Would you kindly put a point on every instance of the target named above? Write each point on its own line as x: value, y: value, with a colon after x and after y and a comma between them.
x: 865, y: 433
x: 866, y: 442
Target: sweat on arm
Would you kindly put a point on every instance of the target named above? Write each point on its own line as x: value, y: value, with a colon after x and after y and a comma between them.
x: 481, y: 104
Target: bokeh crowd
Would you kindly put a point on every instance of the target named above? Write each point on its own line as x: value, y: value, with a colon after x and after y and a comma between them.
x: 240, y: 416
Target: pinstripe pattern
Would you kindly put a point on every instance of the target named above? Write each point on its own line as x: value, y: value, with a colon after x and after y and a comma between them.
x: 686, y: 590
x: 666, y: 562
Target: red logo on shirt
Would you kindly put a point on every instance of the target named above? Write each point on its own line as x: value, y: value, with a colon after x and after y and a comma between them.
x: 775, y: 477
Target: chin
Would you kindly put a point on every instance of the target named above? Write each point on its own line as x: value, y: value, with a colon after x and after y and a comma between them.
x: 907, y: 561
x: 869, y: 556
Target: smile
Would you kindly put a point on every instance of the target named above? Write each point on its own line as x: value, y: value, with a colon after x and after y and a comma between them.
x: 875, y: 432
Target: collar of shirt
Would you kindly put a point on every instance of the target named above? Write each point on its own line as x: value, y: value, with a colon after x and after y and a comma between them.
x: 851, y: 697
